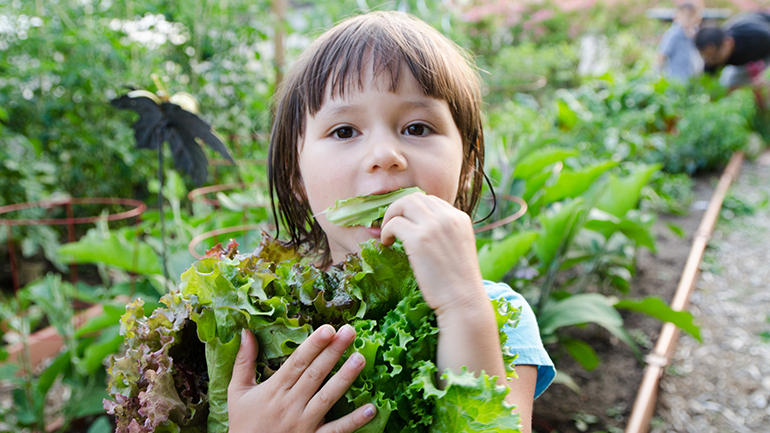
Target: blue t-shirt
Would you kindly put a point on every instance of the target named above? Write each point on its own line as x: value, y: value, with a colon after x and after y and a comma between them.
x: 524, y: 339
x: 680, y: 52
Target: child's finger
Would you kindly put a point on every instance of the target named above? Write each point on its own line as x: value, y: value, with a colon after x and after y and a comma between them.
x: 314, y: 375
x: 244, y: 369
x: 337, y: 385
x: 410, y: 207
x: 317, y: 371
x: 419, y: 210
x: 350, y: 422
x: 306, y: 353
x: 395, y: 228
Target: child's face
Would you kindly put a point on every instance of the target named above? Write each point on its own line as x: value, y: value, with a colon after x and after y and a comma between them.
x: 374, y: 141
x: 688, y: 19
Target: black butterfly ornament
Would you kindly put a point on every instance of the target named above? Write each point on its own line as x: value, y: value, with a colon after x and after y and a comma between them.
x: 174, y: 120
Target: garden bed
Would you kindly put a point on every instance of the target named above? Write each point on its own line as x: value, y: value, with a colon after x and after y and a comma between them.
x: 607, y: 394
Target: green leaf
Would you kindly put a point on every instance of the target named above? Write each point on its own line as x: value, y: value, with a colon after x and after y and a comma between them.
x: 8, y: 371
x: 101, y: 425
x: 363, y: 210
x: 49, y: 375
x: 104, y: 346
x: 471, y: 404
x: 112, y: 250
x: 634, y: 225
x: 557, y: 230
x: 573, y: 183
x: 531, y: 143
x: 535, y: 184
x: 535, y: 161
x: 582, y: 352
x: 581, y: 309
x: 566, y: 380
x: 220, y: 358
x: 110, y: 316
x: 677, y: 230
x: 174, y: 187
x: 92, y: 403
x: 54, y: 297
x: 498, y: 257
x: 656, y: 307
x: 27, y: 414
x: 566, y: 116
x: 622, y: 194
x: 620, y: 277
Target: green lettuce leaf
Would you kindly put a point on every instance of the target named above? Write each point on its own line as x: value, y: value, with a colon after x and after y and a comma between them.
x: 471, y: 404
x: 364, y: 210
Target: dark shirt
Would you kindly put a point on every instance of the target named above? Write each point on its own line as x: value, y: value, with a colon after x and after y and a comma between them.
x: 751, y: 33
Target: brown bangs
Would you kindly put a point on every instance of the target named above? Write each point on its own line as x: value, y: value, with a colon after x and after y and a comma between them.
x: 389, y: 43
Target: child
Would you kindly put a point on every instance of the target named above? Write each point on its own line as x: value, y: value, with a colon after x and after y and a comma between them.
x: 380, y: 102
x: 677, y: 55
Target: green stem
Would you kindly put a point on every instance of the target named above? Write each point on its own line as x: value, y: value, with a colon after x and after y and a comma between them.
x: 26, y: 362
x: 594, y: 266
x: 556, y: 262
x: 550, y: 278
x: 159, y: 140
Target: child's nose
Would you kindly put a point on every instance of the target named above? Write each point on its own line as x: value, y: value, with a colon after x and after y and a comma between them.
x: 386, y: 154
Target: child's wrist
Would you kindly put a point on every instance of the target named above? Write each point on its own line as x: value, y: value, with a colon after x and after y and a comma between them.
x: 463, y: 309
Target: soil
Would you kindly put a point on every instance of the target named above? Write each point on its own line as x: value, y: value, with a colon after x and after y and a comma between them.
x: 607, y: 393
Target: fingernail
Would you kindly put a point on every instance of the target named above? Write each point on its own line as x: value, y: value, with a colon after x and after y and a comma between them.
x: 347, y: 331
x: 356, y: 360
x: 327, y: 332
x: 369, y: 411
x: 243, y: 336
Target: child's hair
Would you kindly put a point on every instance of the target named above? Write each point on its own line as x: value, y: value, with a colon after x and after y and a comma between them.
x: 688, y: 8
x: 710, y: 35
x: 335, y: 61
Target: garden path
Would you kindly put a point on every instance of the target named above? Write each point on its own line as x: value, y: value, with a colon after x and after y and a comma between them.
x: 723, y: 383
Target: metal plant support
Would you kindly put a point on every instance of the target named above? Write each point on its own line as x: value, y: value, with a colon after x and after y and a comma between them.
x: 198, y: 195
x: 138, y: 208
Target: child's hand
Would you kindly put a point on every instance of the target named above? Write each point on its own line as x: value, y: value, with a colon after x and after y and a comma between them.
x: 441, y: 245
x: 290, y: 401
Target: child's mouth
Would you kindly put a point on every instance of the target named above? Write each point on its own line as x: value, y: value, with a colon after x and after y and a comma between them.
x: 375, y: 231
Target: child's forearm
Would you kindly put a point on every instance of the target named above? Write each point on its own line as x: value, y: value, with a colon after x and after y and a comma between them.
x: 468, y: 336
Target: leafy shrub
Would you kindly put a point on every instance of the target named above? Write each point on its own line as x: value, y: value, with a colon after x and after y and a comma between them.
x: 708, y: 135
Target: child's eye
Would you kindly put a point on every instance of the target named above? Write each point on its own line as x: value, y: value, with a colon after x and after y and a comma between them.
x: 417, y: 129
x: 344, y: 132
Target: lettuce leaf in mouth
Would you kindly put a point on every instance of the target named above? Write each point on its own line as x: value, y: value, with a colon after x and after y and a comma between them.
x: 365, y: 210
x: 178, y: 362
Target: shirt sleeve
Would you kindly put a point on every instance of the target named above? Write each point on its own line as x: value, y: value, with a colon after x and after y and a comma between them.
x: 524, y: 339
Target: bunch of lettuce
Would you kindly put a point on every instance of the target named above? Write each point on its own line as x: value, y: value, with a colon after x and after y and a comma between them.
x: 178, y: 362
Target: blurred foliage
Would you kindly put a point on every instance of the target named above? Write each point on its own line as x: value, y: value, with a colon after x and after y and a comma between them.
x: 62, y: 62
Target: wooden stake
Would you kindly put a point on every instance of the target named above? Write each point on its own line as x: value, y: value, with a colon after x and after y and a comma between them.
x: 646, y: 398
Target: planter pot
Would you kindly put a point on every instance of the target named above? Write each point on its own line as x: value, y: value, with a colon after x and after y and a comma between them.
x: 47, y: 343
